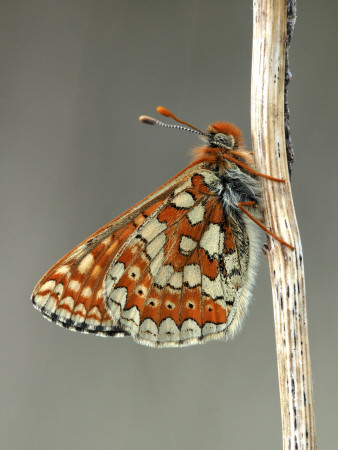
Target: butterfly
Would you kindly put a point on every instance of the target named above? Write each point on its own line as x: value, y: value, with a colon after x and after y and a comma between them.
x: 177, y: 268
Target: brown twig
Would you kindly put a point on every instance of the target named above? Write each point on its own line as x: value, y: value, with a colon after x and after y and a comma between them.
x: 286, y: 266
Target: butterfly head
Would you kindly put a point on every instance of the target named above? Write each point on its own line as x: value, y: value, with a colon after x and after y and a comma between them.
x: 221, y: 135
x: 222, y: 138
x: 224, y: 135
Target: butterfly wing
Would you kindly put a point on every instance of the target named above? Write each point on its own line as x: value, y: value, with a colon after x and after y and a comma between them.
x: 71, y: 293
x: 179, y: 279
x: 171, y: 271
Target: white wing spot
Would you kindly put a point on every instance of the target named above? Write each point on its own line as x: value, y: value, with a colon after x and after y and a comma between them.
x: 74, y: 285
x: 48, y: 286
x: 94, y: 317
x: 152, y: 229
x: 187, y: 245
x: 113, y: 276
x: 117, y: 271
x: 212, y: 288
x: 156, y: 263
x: 153, y: 247
x: 62, y: 269
x: 176, y: 280
x: 107, y: 241
x: 93, y: 322
x: 94, y: 311
x: 107, y: 323
x: 164, y: 275
x: 232, y: 262
x: 183, y: 200
x: 196, y: 215
x: 51, y: 305
x: 192, y: 275
x: 131, y: 318
x: 79, y: 310
x: 148, y: 330
x: 79, y: 314
x: 99, y: 293
x: 190, y: 329
x: 212, y: 240
x: 136, y: 245
x: 63, y: 314
x: 86, y: 263
x: 87, y: 292
x: 40, y: 300
x: 67, y: 301
x: 168, y: 331
x: 119, y: 296
x: 209, y: 328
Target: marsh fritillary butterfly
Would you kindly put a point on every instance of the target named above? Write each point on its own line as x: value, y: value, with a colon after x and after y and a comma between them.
x: 177, y: 268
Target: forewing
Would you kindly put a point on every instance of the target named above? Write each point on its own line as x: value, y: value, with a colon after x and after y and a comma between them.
x: 178, y: 279
x: 71, y: 293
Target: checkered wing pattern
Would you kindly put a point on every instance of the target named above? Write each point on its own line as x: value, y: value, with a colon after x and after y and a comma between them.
x: 169, y: 272
x: 72, y: 293
x: 178, y: 279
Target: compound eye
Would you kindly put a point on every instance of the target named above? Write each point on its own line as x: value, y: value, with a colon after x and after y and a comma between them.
x: 224, y: 141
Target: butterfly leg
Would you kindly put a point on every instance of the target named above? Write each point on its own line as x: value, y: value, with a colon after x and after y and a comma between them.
x: 257, y: 222
x: 250, y: 169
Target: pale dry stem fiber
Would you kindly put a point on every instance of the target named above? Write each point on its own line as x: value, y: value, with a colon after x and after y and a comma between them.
x: 286, y: 266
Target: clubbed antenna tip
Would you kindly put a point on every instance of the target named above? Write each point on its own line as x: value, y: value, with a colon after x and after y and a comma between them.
x: 165, y: 112
x: 148, y: 120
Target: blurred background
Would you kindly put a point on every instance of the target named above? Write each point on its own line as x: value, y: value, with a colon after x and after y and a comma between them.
x: 75, y: 76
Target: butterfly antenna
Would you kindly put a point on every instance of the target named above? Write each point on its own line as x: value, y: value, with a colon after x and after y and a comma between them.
x: 167, y: 113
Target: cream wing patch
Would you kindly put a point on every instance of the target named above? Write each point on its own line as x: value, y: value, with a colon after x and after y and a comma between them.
x: 187, y: 245
x: 151, y: 229
x: 113, y: 276
x: 176, y: 280
x: 79, y: 314
x: 131, y: 318
x: 168, y: 331
x: 212, y: 288
x: 192, y: 275
x: 196, y: 215
x: 148, y: 332
x: 212, y: 240
x: 86, y: 263
x: 190, y: 330
x: 74, y: 285
x: 164, y: 275
x: 156, y: 244
x: 156, y: 263
x: 117, y: 300
x: 183, y: 200
x: 63, y: 270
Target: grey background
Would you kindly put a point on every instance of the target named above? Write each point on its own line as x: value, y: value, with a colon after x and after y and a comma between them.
x: 75, y: 76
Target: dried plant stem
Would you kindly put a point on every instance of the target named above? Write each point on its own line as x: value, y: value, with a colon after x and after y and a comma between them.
x: 286, y: 266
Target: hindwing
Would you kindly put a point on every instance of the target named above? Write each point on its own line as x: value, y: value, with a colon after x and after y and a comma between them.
x: 170, y: 271
x: 178, y: 279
